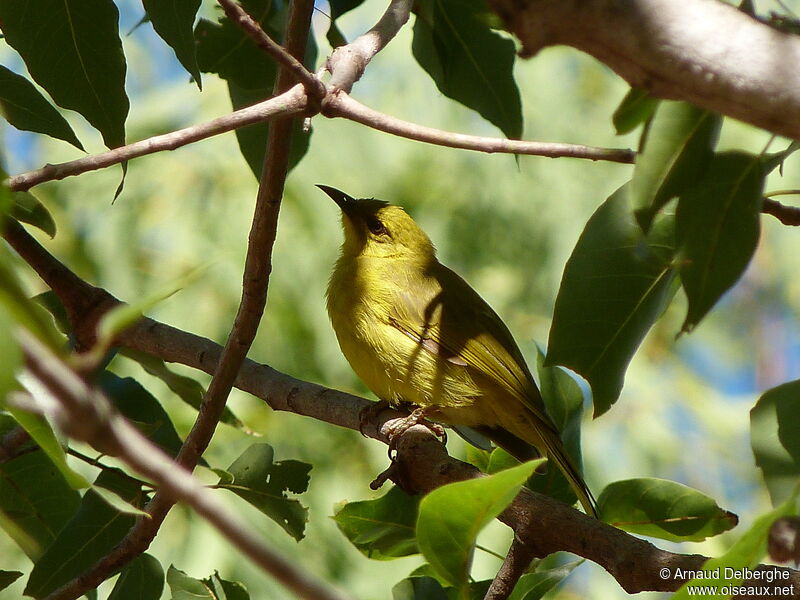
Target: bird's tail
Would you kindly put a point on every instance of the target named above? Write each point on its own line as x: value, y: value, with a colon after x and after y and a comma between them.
x: 554, y: 448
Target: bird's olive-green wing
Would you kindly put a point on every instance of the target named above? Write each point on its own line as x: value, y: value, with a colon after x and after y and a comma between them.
x: 446, y: 316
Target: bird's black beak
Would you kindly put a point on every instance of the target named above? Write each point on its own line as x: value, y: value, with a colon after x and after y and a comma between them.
x: 345, y: 202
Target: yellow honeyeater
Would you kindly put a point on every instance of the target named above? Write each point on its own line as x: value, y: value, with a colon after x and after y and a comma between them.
x: 414, y: 331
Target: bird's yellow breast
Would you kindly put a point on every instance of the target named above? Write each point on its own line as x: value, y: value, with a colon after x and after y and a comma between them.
x: 393, y: 365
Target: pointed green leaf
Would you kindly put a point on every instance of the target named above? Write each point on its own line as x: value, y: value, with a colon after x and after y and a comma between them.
x: 419, y: 588
x: 450, y: 518
x: 265, y: 484
x: 663, y: 509
x: 143, y: 579
x: 746, y: 552
x: 615, y: 285
x: 717, y: 228
x: 338, y: 8
x: 81, y: 66
x: 94, y: 530
x: 233, y: 590
x: 10, y: 355
x: 775, y: 438
x: 139, y: 405
x: 381, y: 529
x: 184, y: 587
x: 24, y: 107
x: 28, y: 209
x: 673, y: 155
x: 636, y: 108
x: 189, y: 390
x: 468, y: 61
x: 36, y: 498
x: 173, y: 20
x: 535, y: 585
x: 41, y: 432
x: 8, y: 577
x: 252, y: 139
x: 118, y: 503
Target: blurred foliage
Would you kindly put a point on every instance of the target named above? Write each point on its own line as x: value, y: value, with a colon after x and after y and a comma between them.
x: 507, y: 224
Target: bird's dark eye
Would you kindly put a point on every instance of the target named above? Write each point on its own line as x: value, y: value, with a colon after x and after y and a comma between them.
x: 375, y: 226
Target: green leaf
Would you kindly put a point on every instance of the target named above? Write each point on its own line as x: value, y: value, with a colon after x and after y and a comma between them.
x: 717, y: 229
x: 468, y: 61
x: 81, y: 66
x: 10, y: 356
x: 673, y: 155
x: 28, y: 209
x: 233, y: 590
x: 16, y: 304
x: 746, y: 552
x: 419, y: 588
x: 615, y: 285
x: 139, y: 405
x: 41, y: 432
x: 184, y: 587
x: 535, y: 585
x: 563, y: 399
x: 450, y: 518
x: 173, y: 20
x: 265, y: 485
x: 636, y: 108
x: 775, y: 438
x: 252, y: 139
x: 36, y: 498
x: 24, y: 107
x: 338, y: 8
x: 223, y: 48
x: 118, y: 503
x: 8, y: 577
x: 381, y: 529
x: 189, y: 390
x: 143, y: 579
x: 92, y: 532
x: 663, y: 509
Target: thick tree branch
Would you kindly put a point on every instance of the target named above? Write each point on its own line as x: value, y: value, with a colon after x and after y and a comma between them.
x: 423, y: 464
x: 347, y: 63
x: 704, y: 51
x: 516, y: 563
x: 86, y: 415
x: 342, y: 105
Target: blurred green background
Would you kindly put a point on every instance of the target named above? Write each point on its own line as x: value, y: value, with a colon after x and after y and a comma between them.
x: 507, y: 225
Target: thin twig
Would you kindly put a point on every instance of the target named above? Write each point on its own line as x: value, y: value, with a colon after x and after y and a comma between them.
x: 347, y: 63
x: 314, y: 87
x: 788, y: 215
x: 550, y: 524
x: 342, y: 105
x: 292, y: 102
x: 102, y: 427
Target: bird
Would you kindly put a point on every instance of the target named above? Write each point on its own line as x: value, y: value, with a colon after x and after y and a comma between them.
x: 415, y: 332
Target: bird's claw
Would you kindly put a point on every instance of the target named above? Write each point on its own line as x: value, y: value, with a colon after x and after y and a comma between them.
x: 417, y: 417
